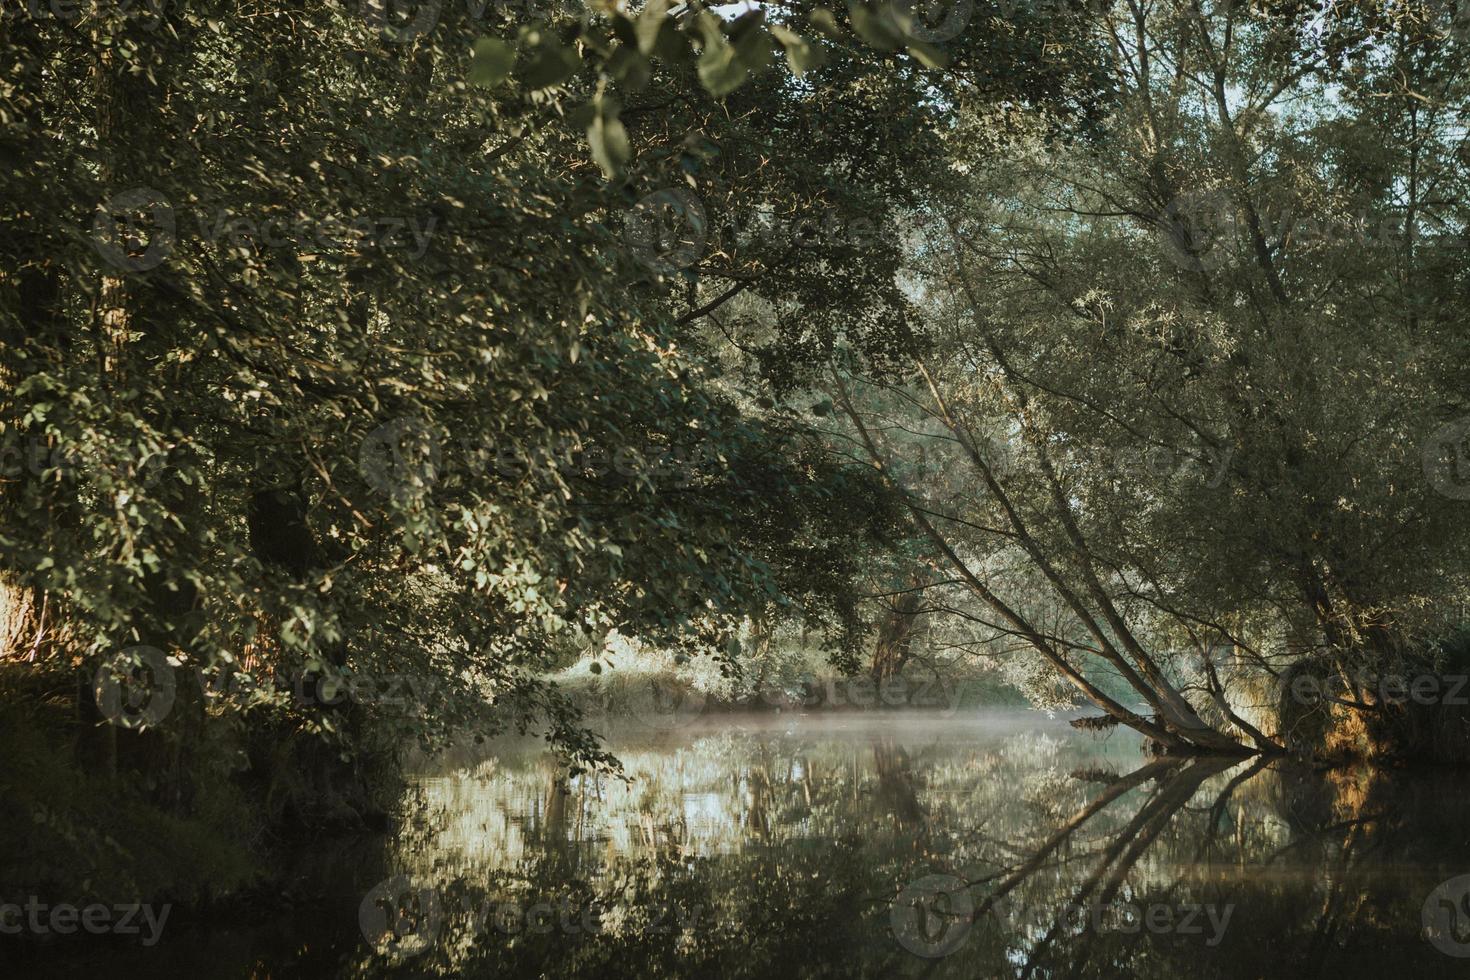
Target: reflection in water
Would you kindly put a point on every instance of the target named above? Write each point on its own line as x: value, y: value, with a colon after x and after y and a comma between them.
x: 894, y: 844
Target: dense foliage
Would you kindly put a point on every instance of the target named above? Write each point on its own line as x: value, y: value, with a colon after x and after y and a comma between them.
x: 360, y: 362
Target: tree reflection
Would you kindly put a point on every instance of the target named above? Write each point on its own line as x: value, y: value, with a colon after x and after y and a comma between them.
x: 799, y: 851
x: 764, y: 853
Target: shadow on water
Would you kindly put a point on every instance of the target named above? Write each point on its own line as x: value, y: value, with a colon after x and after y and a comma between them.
x: 968, y: 846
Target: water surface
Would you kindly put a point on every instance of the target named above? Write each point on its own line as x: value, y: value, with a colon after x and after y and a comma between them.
x: 876, y: 843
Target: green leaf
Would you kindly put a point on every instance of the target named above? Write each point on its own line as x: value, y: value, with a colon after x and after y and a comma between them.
x: 719, y: 70
x: 673, y: 46
x: 928, y: 54
x: 873, y: 28
x: 492, y: 62
x: 553, y: 61
x: 801, y: 54
x: 652, y: 21
x: 580, y: 117
x: 630, y: 68
x: 754, y: 48
x: 610, y: 146
x: 623, y: 28
x: 826, y: 22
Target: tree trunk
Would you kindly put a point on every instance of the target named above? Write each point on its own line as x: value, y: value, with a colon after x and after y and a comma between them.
x: 896, y: 634
x: 22, y: 622
x: 1175, y: 727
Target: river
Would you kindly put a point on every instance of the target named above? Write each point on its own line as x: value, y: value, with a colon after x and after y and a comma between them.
x: 869, y: 843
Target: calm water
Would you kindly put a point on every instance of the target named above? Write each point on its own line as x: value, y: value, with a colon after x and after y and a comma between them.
x: 873, y: 844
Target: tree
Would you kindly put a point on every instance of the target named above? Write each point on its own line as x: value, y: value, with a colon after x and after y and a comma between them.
x: 335, y: 397
x: 1212, y: 344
